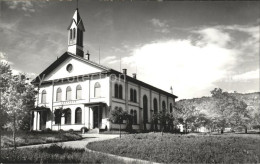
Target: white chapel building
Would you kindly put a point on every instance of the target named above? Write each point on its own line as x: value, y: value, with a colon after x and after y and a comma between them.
x: 86, y: 92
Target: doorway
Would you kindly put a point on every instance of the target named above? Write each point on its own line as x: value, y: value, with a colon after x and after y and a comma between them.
x: 97, y: 116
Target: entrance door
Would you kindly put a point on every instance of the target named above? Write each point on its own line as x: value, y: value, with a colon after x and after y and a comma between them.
x: 43, y: 119
x: 97, y: 114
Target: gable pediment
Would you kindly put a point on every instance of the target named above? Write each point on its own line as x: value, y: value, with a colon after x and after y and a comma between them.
x: 69, y: 65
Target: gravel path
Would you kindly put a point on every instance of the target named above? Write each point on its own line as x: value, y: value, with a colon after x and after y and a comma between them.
x: 80, y: 143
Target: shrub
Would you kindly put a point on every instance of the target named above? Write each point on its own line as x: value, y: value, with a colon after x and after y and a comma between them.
x: 48, y: 130
x: 84, y: 128
x: 71, y: 131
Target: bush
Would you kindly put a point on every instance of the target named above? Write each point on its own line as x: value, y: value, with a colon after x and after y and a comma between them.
x: 84, y: 128
x: 71, y: 131
x: 48, y: 130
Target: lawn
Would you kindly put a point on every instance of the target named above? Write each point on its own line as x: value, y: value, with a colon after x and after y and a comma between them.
x: 30, y: 138
x: 170, y: 148
x: 53, y: 154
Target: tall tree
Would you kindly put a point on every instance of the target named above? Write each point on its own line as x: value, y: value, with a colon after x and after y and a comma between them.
x: 18, y: 99
x: 5, y: 76
x: 229, y: 110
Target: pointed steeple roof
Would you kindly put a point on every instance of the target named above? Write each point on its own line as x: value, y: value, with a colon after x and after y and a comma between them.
x: 78, y: 21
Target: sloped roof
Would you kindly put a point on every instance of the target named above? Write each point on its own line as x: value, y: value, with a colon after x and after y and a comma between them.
x: 57, y: 62
x: 78, y: 21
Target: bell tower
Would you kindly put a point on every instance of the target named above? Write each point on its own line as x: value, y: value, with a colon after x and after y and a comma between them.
x: 75, y: 35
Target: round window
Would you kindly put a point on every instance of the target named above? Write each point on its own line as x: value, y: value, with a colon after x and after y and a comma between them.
x: 69, y: 67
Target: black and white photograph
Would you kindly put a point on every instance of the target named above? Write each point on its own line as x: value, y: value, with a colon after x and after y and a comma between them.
x: 129, y: 81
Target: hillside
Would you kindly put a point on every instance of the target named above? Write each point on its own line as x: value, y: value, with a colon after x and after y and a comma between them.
x: 207, y: 104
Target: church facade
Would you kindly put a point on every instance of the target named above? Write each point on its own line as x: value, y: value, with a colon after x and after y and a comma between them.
x: 75, y: 92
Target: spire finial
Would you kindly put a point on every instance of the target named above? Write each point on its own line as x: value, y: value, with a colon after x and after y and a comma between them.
x: 77, y: 4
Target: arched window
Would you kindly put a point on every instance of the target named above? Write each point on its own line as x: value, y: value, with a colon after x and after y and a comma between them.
x: 97, y: 90
x: 145, y: 109
x: 132, y: 114
x: 67, y: 116
x: 120, y: 94
x: 78, y: 116
x: 135, y: 96
x: 74, y: 33
x: 68, y: 93
x: 70, y: 33
x: 58, y: 94
x: 135, y: 118
x: 78, y: 92
x: 57, y: 116
x: 131, y: 94
x: 116, y: 91
x: 170, y: 107
x: 44, y: 94
x: 163, y: 105
x: 155, y: 106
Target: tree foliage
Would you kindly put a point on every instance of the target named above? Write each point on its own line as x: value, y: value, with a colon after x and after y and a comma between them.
x: 17, y: 99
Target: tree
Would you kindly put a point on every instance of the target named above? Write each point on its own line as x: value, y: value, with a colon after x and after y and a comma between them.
x: 256, y: 121
x: 18, y: 99
x: 229, y: 110
x: 166, y: 120
x: 5, y: 76
x: 118, y: 115
x: 187, y: 114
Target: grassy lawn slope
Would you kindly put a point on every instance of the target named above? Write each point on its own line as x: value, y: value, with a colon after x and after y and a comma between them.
x: 31, y: 138
x: 171, y: 148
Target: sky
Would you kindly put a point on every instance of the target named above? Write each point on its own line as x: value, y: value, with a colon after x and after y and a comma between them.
x: 191, y: 46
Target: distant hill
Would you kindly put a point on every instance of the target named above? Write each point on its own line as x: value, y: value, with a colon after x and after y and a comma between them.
x: 207, y: 104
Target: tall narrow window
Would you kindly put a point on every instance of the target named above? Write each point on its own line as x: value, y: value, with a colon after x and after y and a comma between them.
x: 44, y: 94
x: 155, y: 106
x: 145, y: 109
x: 68, y: 93
x: 74, y: 33
x: 97, y: 90
x: 78, y: 116
x: 70, y: 33
x: 135, y: 118
x: 78, y: 92
x: 57, y: 116
x: 132, y: 114
x: 131, y: 94
x: 67, y: 116
x: 170, y: 107
x: 120, y: 94
x: 135, y: 96
x: 163, y: 105
x: 116, y: 91
x: 58, y: 94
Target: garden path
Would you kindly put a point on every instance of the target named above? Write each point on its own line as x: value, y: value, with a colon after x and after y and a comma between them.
x: 93, y: 138
x: 87, y: 138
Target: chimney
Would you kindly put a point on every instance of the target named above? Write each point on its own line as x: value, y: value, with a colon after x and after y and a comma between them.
x: 87, y: 56
x: 134, y: 75
x: 125, y: 71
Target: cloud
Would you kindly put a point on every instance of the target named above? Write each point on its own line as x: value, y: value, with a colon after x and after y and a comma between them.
x: 109, y: 60
x: 247, y: 75
x: 24, y: 5
x: 213, y: 36
x: 161, y: 26
x: 178, y: 63
x: 3, y: 58
x: 194, y: 65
